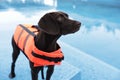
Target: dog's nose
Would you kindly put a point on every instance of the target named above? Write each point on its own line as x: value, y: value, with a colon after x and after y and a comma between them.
x: 78, y: 23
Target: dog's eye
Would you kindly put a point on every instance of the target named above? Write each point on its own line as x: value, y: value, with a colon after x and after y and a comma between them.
x: 60, y: 19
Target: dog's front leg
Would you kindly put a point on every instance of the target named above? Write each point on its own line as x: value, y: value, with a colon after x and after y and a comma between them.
x: 35, y: 71
x: 50, y: 71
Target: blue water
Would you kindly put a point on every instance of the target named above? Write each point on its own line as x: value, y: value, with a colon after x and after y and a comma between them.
x: 95, y: 47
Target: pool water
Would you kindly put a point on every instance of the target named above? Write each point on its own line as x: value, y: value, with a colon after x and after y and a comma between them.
x: 99, y: 34
x: 95, y: 45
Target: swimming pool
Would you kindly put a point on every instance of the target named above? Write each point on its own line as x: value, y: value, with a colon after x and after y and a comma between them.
x: 98, y: 36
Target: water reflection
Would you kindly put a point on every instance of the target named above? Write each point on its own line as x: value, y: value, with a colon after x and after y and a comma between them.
x: 23, y: 3
x: 99, y: 34
x: 27, y: 7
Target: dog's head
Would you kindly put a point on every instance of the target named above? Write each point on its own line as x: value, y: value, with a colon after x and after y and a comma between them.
x: 58, y: 23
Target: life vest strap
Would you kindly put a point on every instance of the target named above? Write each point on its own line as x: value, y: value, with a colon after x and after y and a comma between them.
x: 26, y: 29
x: 19, y: 36
x: 54, y: 59
x: 25, y: 42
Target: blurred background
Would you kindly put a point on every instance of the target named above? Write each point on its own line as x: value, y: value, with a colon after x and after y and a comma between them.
x: 93, y: 53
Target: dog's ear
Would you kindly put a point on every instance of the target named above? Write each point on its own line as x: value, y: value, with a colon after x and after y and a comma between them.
x: 65, y: 14
x: 48, y: 23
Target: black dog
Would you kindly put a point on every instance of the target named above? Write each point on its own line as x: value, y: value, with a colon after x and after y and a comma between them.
x: 50, y: 27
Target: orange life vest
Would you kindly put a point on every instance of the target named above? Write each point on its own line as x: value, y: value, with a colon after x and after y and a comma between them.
x: 24, y: 38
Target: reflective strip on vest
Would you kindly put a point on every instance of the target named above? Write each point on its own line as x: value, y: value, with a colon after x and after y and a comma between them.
x: 24, y: 38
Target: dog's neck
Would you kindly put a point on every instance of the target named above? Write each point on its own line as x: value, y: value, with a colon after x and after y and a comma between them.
x: 46, y: 42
